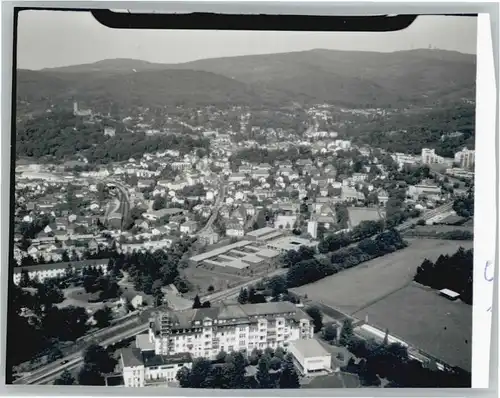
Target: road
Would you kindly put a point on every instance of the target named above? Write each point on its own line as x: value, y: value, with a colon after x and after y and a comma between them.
x: 124, y: 199
x: 218, y: 203
x: 426, y: 216
x: 50, y: 372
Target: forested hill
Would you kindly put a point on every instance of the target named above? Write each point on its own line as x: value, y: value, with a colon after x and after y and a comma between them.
x: 65, y: 135
x: 357, y: 79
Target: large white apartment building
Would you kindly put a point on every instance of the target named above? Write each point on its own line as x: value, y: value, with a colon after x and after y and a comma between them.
x: 205, y: 332
x: 176, y: 337
x: 429, y: 156
x: 465, y: 158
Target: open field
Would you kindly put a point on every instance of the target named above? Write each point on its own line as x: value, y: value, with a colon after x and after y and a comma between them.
x: 356, y: 288
x: 77, y: 297
x: 425, y: 320
x: 358, y: 214
x: 202, y: 278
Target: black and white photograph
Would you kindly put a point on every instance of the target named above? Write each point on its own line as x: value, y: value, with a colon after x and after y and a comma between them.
x: 238, y: 209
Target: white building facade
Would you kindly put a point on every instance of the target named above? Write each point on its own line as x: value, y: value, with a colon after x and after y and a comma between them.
x: 207, y: 331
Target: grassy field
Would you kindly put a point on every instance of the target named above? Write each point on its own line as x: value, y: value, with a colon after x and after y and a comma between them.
x: 382, y: 289
x: 336, y: 380
x: 202, y: 278
x: 424, y: 319
x: 358, y: 214
x: 354, y: 289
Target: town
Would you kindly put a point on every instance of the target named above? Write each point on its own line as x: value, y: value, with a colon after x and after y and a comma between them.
x: 226, y: 240
x: 241, y: 209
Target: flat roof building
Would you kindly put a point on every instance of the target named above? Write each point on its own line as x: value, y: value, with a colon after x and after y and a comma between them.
x: 310, y: 357
x: 288, y: 243
x: 204, y: 332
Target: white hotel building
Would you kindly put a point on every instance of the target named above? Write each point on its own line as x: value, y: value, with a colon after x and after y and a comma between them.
x: 205, y: 332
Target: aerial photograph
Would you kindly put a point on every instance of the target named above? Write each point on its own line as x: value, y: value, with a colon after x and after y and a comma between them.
x: 242, y: 209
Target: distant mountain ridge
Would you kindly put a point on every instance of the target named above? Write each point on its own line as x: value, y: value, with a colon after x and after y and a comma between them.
x: 363, y: 79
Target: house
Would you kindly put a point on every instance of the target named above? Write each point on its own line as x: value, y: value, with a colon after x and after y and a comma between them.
x: 189, y: 227
x: 159, y: 214
x: 234, y: 229
x: 160, y: 231
x: 383, y: 197
x: 285, y: 222
x: 142, y: 184
x: 249, y: 209
x: 143, y: 224
x: 209, y: 238
x: 236, y: 177
x: 136, y: 300
x: 44, y: 271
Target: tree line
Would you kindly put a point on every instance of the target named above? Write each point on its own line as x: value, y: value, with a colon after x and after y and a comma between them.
x: 53, y: 136
x: 229, y: 371
x: 453, y: 272
x: 310, y: 268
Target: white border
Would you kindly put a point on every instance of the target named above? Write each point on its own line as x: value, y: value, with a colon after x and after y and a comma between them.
x: 485, y: 192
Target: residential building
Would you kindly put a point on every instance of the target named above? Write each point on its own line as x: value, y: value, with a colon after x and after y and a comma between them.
x: 234, y: 229
x: 142, y: 368
x: 465, y: 158
x: 285, y: 222
x: 312, y: 229
x: 54, y: 270
x: 189, y: 227
x: 205, y: 332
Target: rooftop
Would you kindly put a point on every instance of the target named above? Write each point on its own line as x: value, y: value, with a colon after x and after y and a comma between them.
x: 187, y: 319
x: 310, y: 348
x: 132, y: 357
x: 261, y: 231
x: 220, y: 250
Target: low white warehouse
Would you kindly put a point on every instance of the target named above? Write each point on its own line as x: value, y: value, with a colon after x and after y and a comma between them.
x: 310, y: 357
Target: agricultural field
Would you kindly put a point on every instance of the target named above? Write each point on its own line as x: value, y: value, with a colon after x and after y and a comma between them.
x: 359, y: 287
x: 358, y: 214
x: 426, y: 320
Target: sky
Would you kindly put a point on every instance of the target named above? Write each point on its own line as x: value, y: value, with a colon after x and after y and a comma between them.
x: 53, y: 38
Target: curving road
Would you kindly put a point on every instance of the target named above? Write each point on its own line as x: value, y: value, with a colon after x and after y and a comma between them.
x: 218, y: 204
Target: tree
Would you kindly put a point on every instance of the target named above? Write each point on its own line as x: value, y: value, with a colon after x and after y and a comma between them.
x: 289, y: 377
x: 98, y: 357
x: 386, y: 337
x: 197, y: 302
x: 66, y: 379
x: 346, y: 333
x: 262, y: 375
x: 54, y: 354
x: 210, y: 289
x: 243, y: 296
x: 90, y: 375
x: 158, y: 294
x: 236, y: 368
x: 159, y: 203
x: 317, y: 318
x: 330, y: 332
x: 277, y: 284
x: 103, y: 317
x: 25, y: 279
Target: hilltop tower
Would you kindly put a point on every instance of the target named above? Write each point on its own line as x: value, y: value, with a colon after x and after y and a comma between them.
x: 75, y: 108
